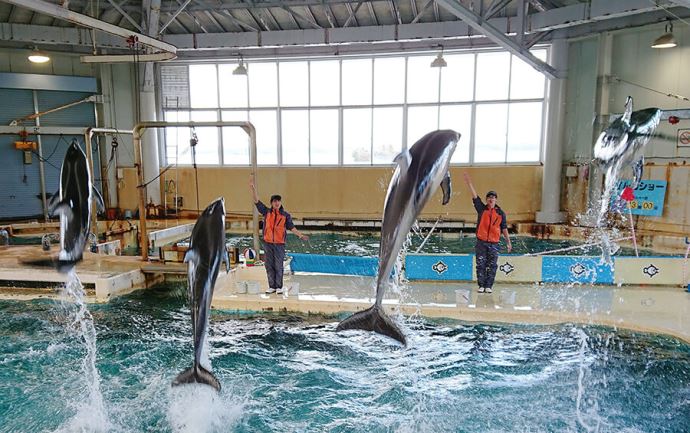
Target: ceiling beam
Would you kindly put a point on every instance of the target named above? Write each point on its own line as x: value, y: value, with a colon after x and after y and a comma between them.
x: 685, y: 3
x: 497, y: 36
x: 423, y: 11
x: 352, y: 12
x: 239, y: 22
x: 302, y: 18
x: 56, y: 11
x: 125, y: 15
x: 174, y: 15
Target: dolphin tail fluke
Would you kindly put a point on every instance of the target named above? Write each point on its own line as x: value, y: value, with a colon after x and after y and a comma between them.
x: 373, y: 319
x: 197, y: 374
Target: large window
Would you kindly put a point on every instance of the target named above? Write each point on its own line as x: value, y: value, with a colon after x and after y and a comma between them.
x: 360, y: 110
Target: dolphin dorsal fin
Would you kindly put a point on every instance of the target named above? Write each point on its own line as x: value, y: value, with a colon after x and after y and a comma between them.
x: 403, y: 160
x: 628, y: 109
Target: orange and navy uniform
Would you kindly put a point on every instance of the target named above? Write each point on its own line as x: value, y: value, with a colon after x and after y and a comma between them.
x: 490, y: 222
x: 276, y: 223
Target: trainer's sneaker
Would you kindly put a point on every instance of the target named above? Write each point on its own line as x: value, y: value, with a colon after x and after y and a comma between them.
x: 279, y: 291
x: 488, y: 290
x: 480, y: 290
x: 270, y: 290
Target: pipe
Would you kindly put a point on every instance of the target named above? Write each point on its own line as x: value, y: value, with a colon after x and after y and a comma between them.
x: 41, y: 167
x: 246, y: 126
x: 88, y: 136
x: 36, y: 115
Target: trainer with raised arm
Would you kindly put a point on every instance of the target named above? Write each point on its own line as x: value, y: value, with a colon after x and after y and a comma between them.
x: 276, y: 223
x: 491, y: 222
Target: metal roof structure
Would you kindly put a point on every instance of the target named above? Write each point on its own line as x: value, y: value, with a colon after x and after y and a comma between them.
x: 215, y: 28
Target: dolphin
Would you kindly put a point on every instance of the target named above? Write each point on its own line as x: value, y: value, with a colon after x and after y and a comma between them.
x: 204, y: 256
x: 622, y: 141
x: 419, y: 172
x: 72, y: 203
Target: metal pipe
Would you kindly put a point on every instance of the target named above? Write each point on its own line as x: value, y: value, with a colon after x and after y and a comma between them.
x: 41, y: 167
x: 246, y: 126
x: 88, y: 136
x: 36, y: 115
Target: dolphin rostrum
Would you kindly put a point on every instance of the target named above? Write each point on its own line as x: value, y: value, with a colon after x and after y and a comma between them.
x: 622, y: 141
x: 420, y: 170
x: 73, y: 203
x: 204, y: 257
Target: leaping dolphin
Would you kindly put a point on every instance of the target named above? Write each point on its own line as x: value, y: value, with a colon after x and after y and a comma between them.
x: 622, y: 141
x: 72, y: 203
x: 204, y: 257
x: 420, y: 171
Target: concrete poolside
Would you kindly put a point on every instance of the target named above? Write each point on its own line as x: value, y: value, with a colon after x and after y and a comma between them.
x: 657, y: 309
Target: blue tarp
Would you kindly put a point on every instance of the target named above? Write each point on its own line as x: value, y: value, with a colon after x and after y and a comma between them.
x: 343, y: 265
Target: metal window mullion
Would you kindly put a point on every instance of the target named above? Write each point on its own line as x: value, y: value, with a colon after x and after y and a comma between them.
x: 249, y: 150
x: 438, y: 101
x: 221, y: 151
x: 510, y: 79
x: 405, y: 106
x: 279, y: 120
x: 473, y: 127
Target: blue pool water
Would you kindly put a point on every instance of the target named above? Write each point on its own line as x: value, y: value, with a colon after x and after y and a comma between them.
x: 295, y: 374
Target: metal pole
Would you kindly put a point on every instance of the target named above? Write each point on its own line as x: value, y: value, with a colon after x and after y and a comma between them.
x: 246, y: 126
x: 255, y: 212
x: 41, y: 168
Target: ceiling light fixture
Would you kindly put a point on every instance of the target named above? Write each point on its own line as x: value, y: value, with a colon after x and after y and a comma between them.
x: 241, y: 69
x: 37, y: 56
x: 666, y: 40
x: 439, y: 61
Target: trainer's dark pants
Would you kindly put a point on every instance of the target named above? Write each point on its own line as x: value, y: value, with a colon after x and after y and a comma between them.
x: 274, y: 255
x: 486, y: 254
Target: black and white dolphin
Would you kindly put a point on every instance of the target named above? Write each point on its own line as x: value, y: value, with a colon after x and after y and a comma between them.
x: 204, y: 257
x: 621, y: 143
x: 420, y: 171
x: 72, y: 203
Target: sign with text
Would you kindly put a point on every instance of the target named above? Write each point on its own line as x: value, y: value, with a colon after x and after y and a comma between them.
x: 649, y: 197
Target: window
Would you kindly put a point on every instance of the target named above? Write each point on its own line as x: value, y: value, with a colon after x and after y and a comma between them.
x: 493, y: 76
x: 421, y: 121
x: 232, y: 89
x: 294, y: 84
x: 422, y: 79
x: 235, y: 140
x: 263, y: 84
x: 459, y: 119
x: 266, y: 124
x: 295, y: 133
x: 206, y: 150
x: 359, y: 110
x: 389, y: 80
x: 490, y: 133
x: 357, y: 82
x: 203, y: 86
x: 387, y: 134
x: 357, y: 136
x: 323, y: 137
x: 324, y: 80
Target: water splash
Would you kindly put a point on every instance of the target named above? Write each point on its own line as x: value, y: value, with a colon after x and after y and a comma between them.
x: 586, y: 408
x: 199, y: 409
x: 91, y: 414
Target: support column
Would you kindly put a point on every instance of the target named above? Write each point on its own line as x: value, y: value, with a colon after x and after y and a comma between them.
x: 149, y: 144
x: 550, y: 212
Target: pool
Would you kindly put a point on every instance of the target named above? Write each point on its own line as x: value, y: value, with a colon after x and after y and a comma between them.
x: 293, y: 373
x: 367, y: 244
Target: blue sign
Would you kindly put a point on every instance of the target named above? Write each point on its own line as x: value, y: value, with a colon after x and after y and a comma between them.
x: 575, y: 269
x: 343, y: 265
x: 438, y: 267
x: 649, y: 197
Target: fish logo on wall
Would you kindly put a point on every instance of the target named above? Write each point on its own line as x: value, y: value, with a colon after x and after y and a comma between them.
x: 651, y: 270
x: 440, y: 267
x: 506, y: 268
x: 577, y: 269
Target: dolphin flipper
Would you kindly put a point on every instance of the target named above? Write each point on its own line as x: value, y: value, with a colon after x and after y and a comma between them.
x: 445, y: 186
x: 53, y: 202
x: 373, y: 319
x: 197, y: 374
x: 637, y: 172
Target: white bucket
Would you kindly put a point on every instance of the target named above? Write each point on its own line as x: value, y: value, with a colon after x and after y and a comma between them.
x: 462, y: 296
x: 240, y: 287
x: 252, y: 287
